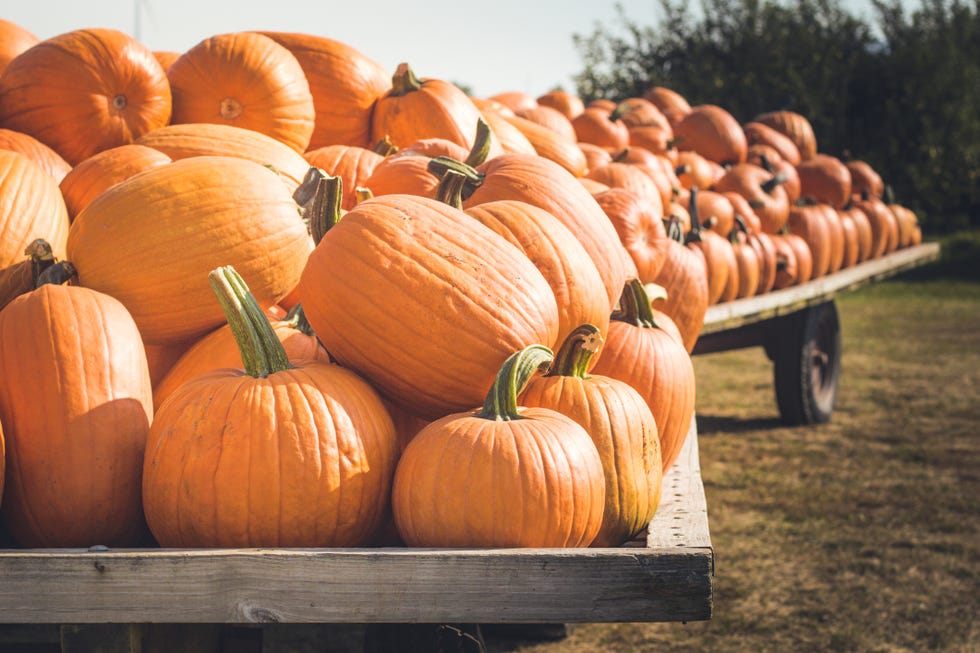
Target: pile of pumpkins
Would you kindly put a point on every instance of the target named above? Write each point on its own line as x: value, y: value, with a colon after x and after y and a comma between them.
x: 266, y: 293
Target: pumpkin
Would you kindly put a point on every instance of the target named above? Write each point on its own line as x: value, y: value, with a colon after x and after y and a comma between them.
x: 756, y: 133
x: 32, y: 207
x: 514, y: 100
x: 764, y: 191
x: 551, y: 145
x: 244, y: 79
x: 849, y: 228
x: 825, y: 178
x: 884, y: 225
x: 166, y: 57
x: 620, y: 424
x: 671, y: 103
x: 747, y: 279
x: 716, y: 212
x: 908, y: 224
x: 553, y: 119
x: 545, y: 184
x: 639, y: 224
x: 277, y: 454
x: 14, y: 39
x: 510, y: 137
x: 640, y: 112
x: 862, y: 228
x: 793, y: 125
x: 205, y: 139
x: 695, y: 171
x: 345, y: 85
x: 3, y: 463
x: 720, y: 264
x: 150, y: 240
x: 742, y: 209
x: 407, y: 171
x: 353, y: 164
x: 103, y: 79
x: 76, y: 431
x: 644, y: 355
x: 569, y: 104
x: 865, y: 178
x: 713, y: 133
x: 809, y: 221
x: 595, y: 156
x: 501, y: 476
x: 603, y: 128
x: 450, y: 290
x: 35, y: 150
x: 629, y: 176
x: 101, y: 171
x: 653, y: 138
x: 684, y: 276
x: 794, y: 260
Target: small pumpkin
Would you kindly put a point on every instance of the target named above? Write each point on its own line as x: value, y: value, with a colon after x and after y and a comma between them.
x: 684, y: 276
x: 101, y: 171
x: 712, y: 132
x: 14, y: 39
x: 825, y: 179
x: 503, y: 475
x: 38, y: 152
x: 569, y: 104
x: 793, y: 125
x: 639, y: 224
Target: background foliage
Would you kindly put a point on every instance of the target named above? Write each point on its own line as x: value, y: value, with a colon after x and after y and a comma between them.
x: 901, y: 92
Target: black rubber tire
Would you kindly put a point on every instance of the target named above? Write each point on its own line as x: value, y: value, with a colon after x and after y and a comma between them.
x: 807, y: 366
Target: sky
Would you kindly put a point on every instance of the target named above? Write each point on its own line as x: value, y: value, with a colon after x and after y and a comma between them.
x: 505, y: 45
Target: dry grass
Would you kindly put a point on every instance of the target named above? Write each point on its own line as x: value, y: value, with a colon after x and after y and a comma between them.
x: 858, y: 535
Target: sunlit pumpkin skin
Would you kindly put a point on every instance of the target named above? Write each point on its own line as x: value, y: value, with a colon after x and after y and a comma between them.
x: 746, y: 280
x: 713, y: 133
x: 671, y: 103
x: 566, y: 102
x: 865, y: 178
x: 547, y: 185
x: 101, y: 78
x: 166, y: 57
x: 353, y: 164
x: 908, y: 224
x: 247, y: 80
x: 602, y: 128
x: 595, y: 156
x: 36, y: 151
x: 417, y: 108
x: 628, y: 176
x: 719, y: 258
x: 884, y: 226
x: 757, y: 133
x: 31, y: 207
x: 825, y: 179
x: 620, y: 424
x: 172, y: 224
x: 297, y: 455
x: 766, y: 254
x: 762, y: 189
x: 794, y: 260
x: 76, y: 432
x: 849, y: 228
x: 639, y: 112
x: 14, y: 39
x: 345, y: 84
x: 653, y: 138
x: 501, y: 476
x: 511, y: 138
x: 219, y: 349
x: 453, y: 291
x: 862, y: 228
x: 639, y: 224
x: 161, y: 358
x: 809, y: 222
x: 550, y: 145
x: 101, y: 171
x: 742, y: 209
x: 559, y: 256
x: 647, y: 357
x: 684, y: 276
x: 406, y: 171
x: 551, y: 118
x: 203, y: 139
x: 795, y: 126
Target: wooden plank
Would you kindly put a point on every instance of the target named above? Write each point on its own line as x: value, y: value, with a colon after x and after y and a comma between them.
x: 668, y: 580
x: 730, y: 315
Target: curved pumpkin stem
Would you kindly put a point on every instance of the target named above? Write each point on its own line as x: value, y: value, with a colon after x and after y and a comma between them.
x: 481, y: 144
x: 770, y: 186
x: 635, y: 307
x: 694, y: 235
x: 517, y: 370
x: 385, y: 147
x: 362, y: 194
x: 323, y: 210
x: 439, y: 165
x: 675, y: 231
x: 575, y: 353
x: 450, y: 189
x: 56, y: 274
x: 42, y: 258
x: 262, y: 352
x: 404, y: 81
x: 296, y: 318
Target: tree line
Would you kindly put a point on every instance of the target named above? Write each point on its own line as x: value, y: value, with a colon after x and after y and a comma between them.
x: 900, y: 91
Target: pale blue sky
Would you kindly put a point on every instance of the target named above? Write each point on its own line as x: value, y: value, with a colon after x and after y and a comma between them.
x: 505, y: 45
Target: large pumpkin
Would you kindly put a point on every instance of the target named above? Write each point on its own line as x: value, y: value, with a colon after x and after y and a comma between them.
x: 85, y: 91
x: 151, y: 240
x: 620, y: 424
x: 14, y: 39
x: 31, y: 207
x: 36, y: 151
x: 76, y: 406
x: 274, y: 454
x: 424, y: 301
x: 101, y: 171
x: 503, y: 476
x: 246, y: 80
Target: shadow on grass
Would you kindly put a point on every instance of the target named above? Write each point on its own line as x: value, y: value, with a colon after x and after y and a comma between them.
x: 712, y: 424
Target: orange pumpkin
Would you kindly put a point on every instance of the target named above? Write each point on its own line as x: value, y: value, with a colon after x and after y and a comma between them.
x: 353, y: 164
x: 713, y: 133
x: 825, y: 179
x: 684, y: 276
x: 719, y: 258
x: 501, y: 476
x: 407, y: 170
x: 865, y: 178
x: 809, y: 222
x: 203, y: 139
x: 794, y: 260
x: 510, y: 137
x: 746, y: 281
x: 757, y: 133
x: 553, y: 119
x: 569, y: 104
x: 621, y: 425
x: 794, y: 126
x: 551, y: 145
x: 76, y: 407
x: 644, y: 355
x: 671, y: 103
x: 764, y: 191
x: 14, y: 39
x: 884, y: 225
x: 101, y: 171
x: 272, y: 455
x: 36, y: 151
x: 639, y: 224
x: 453, y: 291
x: 150, y: 240
x: 244, y: 79
x: 603, y: 128
x: 102, y: 79
x: 32, y: 208
x: 345, y: 85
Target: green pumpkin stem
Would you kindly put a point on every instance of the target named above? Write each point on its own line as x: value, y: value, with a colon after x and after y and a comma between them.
x: 635, y: 307
x: 694, y: 235
x: 450, y: 189
x: 362, y: 194
x: 404, y: 81
x: 262, y: 352
x: 384, y: 147
x: 296, y: 317
x: 324, y: 209
x: 481, y: 144
x: 439, y: 165
x: 576, y: 352
x: 517, y: 370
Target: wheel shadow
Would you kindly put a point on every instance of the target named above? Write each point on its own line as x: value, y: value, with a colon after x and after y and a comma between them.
x: 718, y: 424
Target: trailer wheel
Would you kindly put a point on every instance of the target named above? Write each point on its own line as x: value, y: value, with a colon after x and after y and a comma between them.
x: 807, y: 365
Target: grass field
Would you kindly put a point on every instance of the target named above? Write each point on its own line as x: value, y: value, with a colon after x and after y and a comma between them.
x: 858, y: 535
